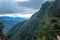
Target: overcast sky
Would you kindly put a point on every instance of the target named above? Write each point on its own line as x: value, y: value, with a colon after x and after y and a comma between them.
x: 19, y: 8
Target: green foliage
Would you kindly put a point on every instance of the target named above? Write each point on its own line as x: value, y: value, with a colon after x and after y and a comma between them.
x: 48, y: 32
x: 1, y: 26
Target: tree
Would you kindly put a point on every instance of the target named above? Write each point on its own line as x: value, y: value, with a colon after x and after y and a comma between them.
x: 1, y: 26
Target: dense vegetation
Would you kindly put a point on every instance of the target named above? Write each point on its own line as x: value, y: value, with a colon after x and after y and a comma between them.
x: 43, y: 25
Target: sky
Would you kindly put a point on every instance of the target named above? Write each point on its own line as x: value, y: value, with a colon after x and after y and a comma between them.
x: 20, y: 8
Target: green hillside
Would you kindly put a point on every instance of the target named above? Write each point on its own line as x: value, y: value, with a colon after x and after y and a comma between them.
x: 42, y: 25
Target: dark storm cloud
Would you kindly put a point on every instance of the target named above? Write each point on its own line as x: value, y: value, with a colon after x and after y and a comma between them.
x: 20, y: 7
x: 9, y: 7
x: 36, y: 4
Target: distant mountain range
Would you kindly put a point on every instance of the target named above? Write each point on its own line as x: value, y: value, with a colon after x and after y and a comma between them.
x: 9, y: 22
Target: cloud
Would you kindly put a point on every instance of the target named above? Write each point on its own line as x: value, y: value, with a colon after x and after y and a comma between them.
x: 36, y: 4
x: 17, y: 15
x: 10, y: 7
x: 20, y: 0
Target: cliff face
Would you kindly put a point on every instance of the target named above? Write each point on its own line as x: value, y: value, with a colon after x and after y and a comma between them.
x: 35, y: 26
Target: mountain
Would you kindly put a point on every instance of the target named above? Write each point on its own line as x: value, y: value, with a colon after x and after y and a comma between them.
x: 41, y: 24
x: 31, y: 27
x: 9, y: 22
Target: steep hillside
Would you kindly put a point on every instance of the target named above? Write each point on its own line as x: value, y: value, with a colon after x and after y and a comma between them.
x: 39, y: 25
x: 14, y: 29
